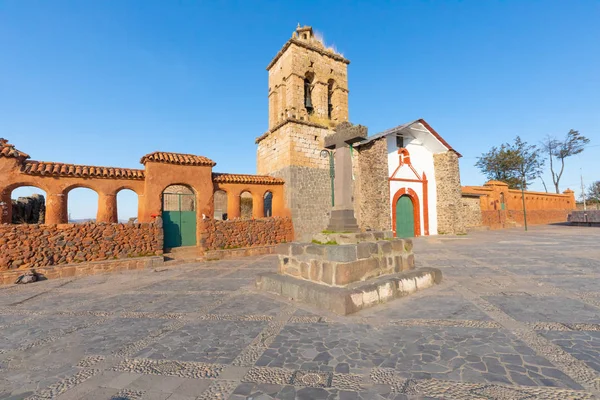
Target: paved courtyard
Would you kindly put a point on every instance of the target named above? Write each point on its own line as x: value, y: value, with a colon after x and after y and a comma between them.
x: 517, y: 317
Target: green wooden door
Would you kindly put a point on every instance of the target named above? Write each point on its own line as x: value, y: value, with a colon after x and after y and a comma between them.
x: 405, y: 220
x: 179, y: 220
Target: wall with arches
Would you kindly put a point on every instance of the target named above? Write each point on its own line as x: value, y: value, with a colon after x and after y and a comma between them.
x: 501, y: 207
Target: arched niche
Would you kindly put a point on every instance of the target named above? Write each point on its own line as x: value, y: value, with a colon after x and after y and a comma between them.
x: 268, y: 204
x: 27, y: 205
x: 220, y: 205
x: 246, y: 205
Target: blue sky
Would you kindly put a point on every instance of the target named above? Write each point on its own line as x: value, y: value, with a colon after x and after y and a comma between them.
x: 105, y: 82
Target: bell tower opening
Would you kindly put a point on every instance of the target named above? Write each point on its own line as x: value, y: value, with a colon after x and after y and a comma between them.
x: 308, y: 93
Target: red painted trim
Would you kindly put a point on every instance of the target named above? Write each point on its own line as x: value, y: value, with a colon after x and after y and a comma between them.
x: 416, y: 209
x: 425, y: 205
x: 438, y: 137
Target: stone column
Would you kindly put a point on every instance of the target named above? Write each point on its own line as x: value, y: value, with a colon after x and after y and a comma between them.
x: 343, y: 178
x: 258, y: 206
x: 107, y: 208
x: 233, y: 205
x: 56, y: 209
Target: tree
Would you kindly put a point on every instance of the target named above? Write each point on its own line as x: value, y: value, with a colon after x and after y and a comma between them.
x: 574, y: 143
x: 516, y: 164
x: 593, y: 193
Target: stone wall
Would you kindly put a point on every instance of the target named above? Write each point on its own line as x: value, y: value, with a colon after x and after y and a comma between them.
x: 241, y: 233
x: 308, y: 196
x: 471, y: 211
x: 32, y: 246
x: 29, y: 210
x: 371, y: 187
x: 449, y: 195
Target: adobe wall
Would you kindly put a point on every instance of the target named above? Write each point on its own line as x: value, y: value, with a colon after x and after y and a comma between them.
x: 502, y: 207
x: 449, y: 196
x: 33, y: 246
x: 371, y: 186
x: 217, y: 235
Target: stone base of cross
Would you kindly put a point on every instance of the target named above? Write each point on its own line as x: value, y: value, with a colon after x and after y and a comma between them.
x: 342, y: 215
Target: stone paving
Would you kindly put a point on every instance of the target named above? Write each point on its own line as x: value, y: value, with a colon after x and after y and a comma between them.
x: 516, y: 317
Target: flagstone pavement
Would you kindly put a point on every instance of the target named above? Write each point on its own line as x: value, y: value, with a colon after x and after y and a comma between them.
x: 516, y: 317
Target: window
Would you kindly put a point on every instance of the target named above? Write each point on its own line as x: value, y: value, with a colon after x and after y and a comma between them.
x: 399, y: 142
x: 307, y: 96
x: 329, y: 97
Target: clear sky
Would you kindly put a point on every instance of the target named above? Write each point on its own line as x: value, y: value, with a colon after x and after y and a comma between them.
x: 105, y: 82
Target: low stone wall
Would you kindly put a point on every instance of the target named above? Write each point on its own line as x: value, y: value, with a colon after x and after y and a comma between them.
x: 588, y: 217
x: 34, y: 246
x: 89, y: 268
x: 239, y: 233
x: 471, y: 211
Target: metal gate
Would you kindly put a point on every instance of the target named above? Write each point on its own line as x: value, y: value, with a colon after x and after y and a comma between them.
x: 179, y: 219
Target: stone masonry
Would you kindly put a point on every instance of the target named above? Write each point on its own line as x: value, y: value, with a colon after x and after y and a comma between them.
x: 291, y: 148
x: 371, y: 187
x: 449, y: 196
x: 240, y: 233
x: 32, y: 246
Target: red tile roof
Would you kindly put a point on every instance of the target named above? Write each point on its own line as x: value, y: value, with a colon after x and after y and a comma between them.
x: 9, y: 151
x: 241, y: 178
x: 177, y: 158
x: 81, y: 171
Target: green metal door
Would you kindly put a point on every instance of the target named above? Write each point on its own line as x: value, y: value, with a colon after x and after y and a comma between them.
x: 179, y: 220
x: 405, y: 220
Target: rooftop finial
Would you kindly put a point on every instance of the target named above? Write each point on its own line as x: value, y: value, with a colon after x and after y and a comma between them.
x: 298, y: 27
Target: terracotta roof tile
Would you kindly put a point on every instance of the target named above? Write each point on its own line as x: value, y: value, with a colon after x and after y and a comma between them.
x: 251, y: 179
x: 9, y: 151
x: 83, y: 171
x: 177, y: 158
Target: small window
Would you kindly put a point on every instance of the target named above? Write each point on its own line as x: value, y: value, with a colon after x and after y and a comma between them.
x: 399, y: 142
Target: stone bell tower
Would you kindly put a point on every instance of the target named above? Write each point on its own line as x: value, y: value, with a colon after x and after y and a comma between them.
x: 308, y: 97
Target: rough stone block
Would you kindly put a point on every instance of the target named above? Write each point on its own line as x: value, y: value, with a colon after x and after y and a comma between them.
x: 385, y: 247
x: 305, y: 270
x: 408, y: 245
x: 408, y: 262
x: 366, y: 249
x: 341, y: 253
x: 283, y: 249
x: 397, y: 246
x: 315, y: 270
x: 297, y: 248
x: 317, y: 250
x: 328, y: 273
x: 346, y: 273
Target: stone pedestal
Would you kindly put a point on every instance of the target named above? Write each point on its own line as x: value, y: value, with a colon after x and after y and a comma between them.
x: 342, y: 221
x: 368, y: 269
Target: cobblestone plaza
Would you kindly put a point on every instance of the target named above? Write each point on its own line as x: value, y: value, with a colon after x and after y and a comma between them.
x: 516, y: 317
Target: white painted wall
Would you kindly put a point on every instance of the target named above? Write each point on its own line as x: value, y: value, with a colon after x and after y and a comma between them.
x: 421, y: 145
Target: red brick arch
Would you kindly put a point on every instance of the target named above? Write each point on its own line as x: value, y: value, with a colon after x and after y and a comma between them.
x: 416, y: 209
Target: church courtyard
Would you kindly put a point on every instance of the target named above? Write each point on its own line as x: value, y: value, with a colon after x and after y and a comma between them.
x: 517, y: 316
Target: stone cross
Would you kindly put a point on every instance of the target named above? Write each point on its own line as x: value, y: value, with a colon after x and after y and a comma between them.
x: 342, y: 216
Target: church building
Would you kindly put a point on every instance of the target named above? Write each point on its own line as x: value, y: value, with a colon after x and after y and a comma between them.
x: 405, y: 179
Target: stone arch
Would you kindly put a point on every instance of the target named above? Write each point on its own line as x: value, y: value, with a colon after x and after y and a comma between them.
x: 268, y: 204
x: 77, y: 194
x: 330, y: 86
x: 27, y: 207
x: 220, y: 198
x: 246, y: 204
x: 416, y: 208
x: 171, y: 202
x: 127, y: 203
